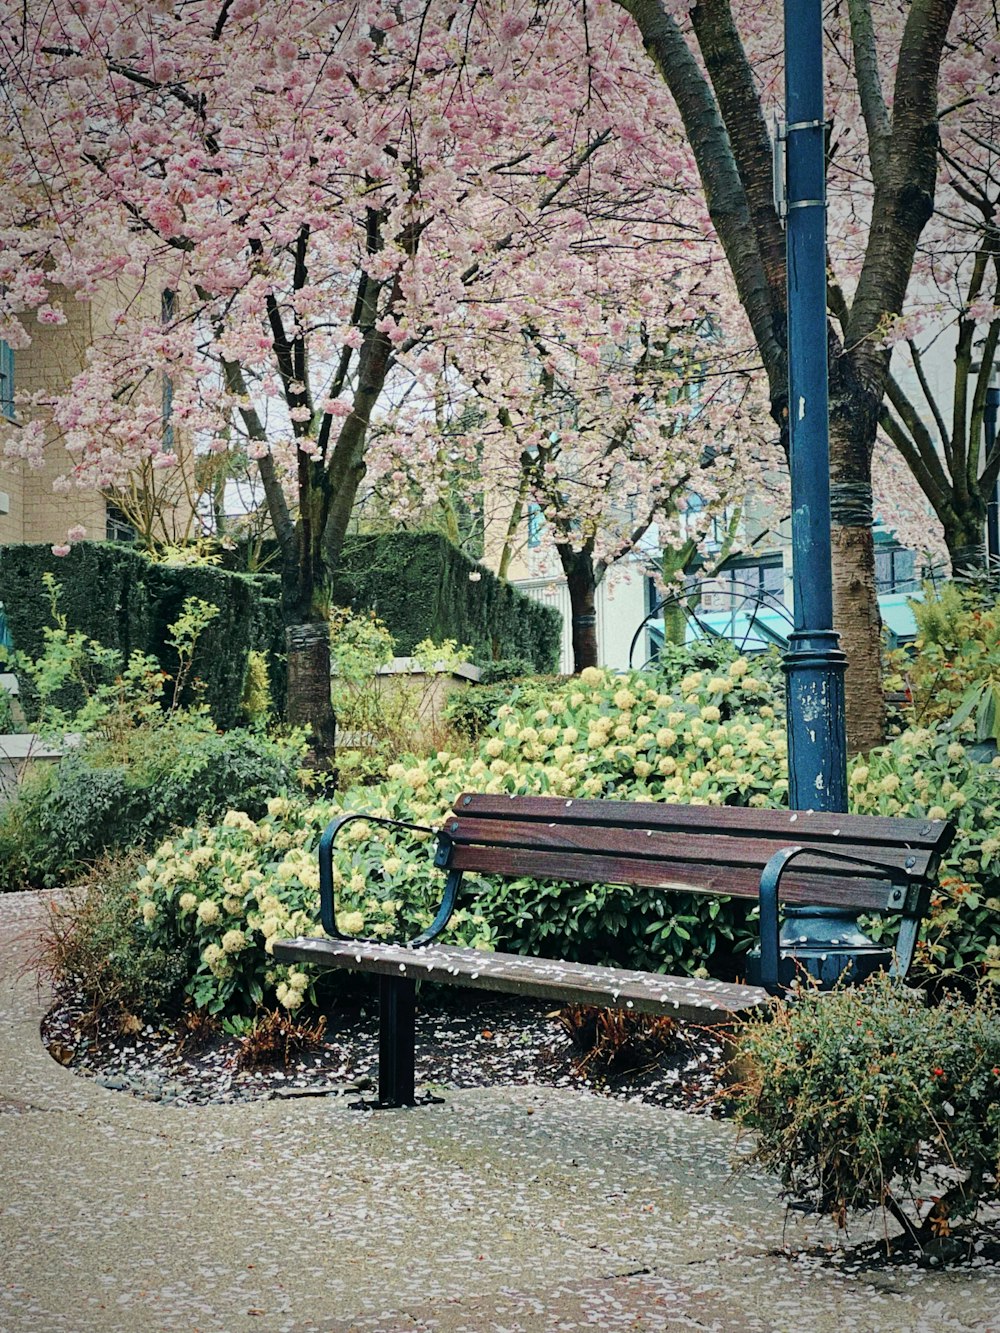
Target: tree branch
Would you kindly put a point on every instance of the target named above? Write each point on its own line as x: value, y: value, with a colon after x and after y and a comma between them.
x: 873, y: 106
x: 728, y: 206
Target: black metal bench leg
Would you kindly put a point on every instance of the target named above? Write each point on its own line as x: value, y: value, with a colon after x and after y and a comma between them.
x: 397, y: 1005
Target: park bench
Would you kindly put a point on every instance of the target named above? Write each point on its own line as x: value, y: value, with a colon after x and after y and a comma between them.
x: 864, y: 863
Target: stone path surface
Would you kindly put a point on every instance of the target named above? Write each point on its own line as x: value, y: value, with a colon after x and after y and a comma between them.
x: 511, y: 1210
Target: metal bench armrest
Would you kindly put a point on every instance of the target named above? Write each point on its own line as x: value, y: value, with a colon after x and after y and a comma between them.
x: 327, y: 900
x: 769, y: 884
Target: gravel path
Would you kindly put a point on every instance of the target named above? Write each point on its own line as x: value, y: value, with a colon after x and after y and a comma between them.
x: 504, y: 1208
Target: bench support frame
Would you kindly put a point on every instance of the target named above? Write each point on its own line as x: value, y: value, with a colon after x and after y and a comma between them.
x: 396, y: 1015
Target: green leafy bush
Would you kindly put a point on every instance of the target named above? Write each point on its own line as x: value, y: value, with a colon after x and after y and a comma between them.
x: 702, y: 737
x: 257, y: 703
x: 137, y: 763
x: 929, y: 772
x: 505, y: 669
x: 474, y: 711
x: 867, y: 1097
x: 118, y: 596
x: 172, y: 775
x: 953, y: 669
x: 96, y: 942
x: 597, y: 735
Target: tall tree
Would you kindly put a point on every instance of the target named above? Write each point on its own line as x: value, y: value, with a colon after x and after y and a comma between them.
x: 334, y: 192
x: 721, y: 61
x: 591, y: 424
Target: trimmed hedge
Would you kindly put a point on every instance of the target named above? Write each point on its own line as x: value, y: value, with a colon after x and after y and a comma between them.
x: 117, y: 595
x: 419, y: 585
x: 416, y: 582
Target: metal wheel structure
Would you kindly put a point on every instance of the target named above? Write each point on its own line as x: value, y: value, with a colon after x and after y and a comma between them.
x: 747, y: 602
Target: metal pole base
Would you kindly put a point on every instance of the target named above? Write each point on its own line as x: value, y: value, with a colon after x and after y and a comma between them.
x: 825, y: 944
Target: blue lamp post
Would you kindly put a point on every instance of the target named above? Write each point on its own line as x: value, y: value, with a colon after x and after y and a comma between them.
x: 824, y: 941
x: 993, y: 507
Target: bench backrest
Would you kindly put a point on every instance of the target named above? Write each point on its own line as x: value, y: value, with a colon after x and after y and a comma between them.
x: 700, y: 849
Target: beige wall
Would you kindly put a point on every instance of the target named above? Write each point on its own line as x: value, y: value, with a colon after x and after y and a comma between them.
x: 37, y: 513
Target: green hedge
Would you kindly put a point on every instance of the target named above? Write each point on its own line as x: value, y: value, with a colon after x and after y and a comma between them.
x: 419, y: 584
x: 126, y: 601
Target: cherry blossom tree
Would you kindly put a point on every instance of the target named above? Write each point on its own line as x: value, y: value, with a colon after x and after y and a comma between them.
x: 297, y: 210
x: 893, y: 68
x: 594, y: 422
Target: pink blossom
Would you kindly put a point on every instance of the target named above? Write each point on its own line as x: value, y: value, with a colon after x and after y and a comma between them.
x: 63, y: 548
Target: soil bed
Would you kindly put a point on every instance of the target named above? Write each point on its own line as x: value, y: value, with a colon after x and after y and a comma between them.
x: 462, y: 1041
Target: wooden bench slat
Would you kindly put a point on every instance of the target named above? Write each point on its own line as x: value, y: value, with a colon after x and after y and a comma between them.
x: 790, y: 826
x: 588, y: 868
x: 542, y: 978
x: 732, y: 848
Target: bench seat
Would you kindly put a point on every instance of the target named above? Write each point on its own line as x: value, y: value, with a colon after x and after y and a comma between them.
x: 685, y: 998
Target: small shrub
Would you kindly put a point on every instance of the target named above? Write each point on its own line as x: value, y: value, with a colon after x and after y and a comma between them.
x: 275, y: 1039
x: 474, y: 711
x: 929, y: 772
x: 614, y: 1043
x: 256, y: 703
x: 505, y: 669
x: 866, y: 1097
x: 173, y: 774
x: 96, y: 944
x: 953, y: 670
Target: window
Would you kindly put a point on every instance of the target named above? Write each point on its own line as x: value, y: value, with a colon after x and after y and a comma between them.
x: 535, y: 524
x: 6, y: 381
x: 895, y: 569
x: 119, y: 529
x: 731, y: 586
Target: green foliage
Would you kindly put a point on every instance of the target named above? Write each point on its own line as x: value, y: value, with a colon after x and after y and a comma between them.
x: 108, y: 798
x: 703, y: 737
x: 256, y: 703
x: 116, y: 596
x: 473, y: 712
x: 853, y: 1094
x: 383, y: 714
x: 8, y: 725
x: 954, y: 671
x: 505, y: 669
x: 97, y: 943
x: 227, y: 892
x: 597, y: 735
x: 928, y: 772
x: 420, y: 586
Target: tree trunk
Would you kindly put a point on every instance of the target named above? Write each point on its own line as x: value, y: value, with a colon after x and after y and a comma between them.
x: 308, y: 646
x: 965, y: 537
x: 581, y: 579
x: 859, y: 624
x: 856, y: 615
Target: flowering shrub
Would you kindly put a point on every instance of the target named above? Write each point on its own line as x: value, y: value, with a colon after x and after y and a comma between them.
x: 706, y: 737
x: 928, y: 772
x: 223, y: 893
x: 859, y: 1099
